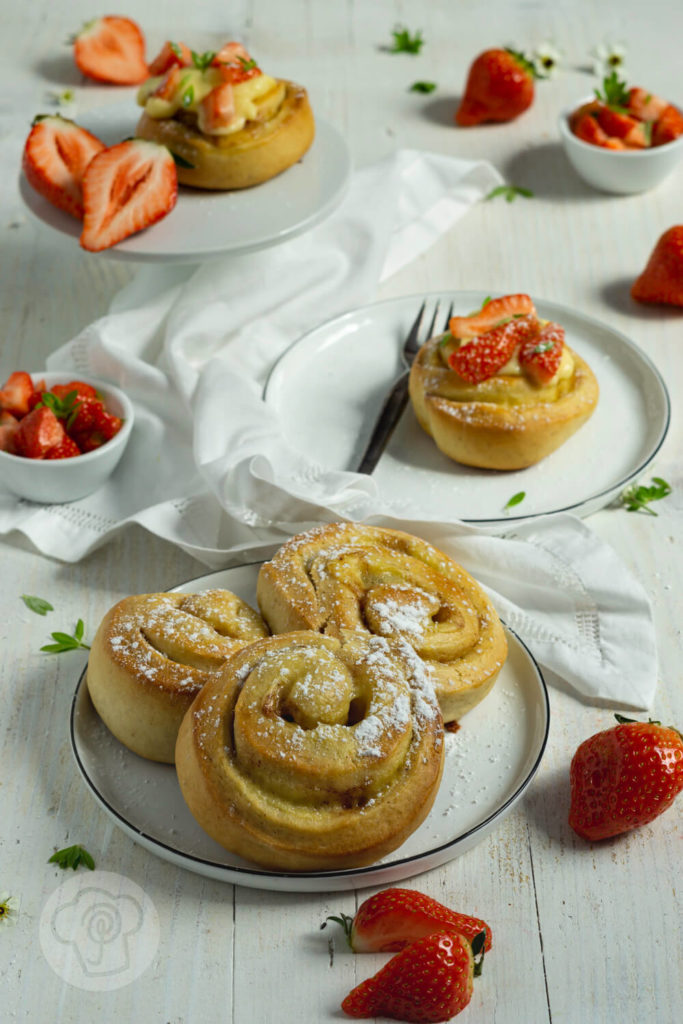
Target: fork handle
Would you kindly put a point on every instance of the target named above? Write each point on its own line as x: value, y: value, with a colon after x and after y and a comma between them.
x: 394, y: 404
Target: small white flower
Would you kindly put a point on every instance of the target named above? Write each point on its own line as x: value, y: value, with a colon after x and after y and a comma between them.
x: 609, y: 57
x: 9, y: 909
x: 546, y: 59
x: 65, y: 99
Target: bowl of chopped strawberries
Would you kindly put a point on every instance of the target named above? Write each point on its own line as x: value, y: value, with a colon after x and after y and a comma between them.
x: 622, y: 139
x: 60, y: 437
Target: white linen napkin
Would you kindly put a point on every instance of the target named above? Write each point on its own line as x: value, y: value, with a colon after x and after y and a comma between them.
x: 207, y: 467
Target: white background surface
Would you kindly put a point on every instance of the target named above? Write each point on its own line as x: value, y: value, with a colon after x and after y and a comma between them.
x: 581, y: 932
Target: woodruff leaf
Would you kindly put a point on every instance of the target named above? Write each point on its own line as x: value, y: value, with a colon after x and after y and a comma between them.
x: 72, y: 857
x: 67, y: 642
x: 37, y: 604
x: 637, y: 497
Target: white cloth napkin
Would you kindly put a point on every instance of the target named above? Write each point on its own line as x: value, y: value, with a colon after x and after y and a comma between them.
x: 207, y: 467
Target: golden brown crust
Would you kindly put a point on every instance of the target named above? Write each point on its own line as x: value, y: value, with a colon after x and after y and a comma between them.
x: 505, y: 422
x: 388, y: 583
x: 152, y: 654
x: 313, y: 753
x: 259, y: 151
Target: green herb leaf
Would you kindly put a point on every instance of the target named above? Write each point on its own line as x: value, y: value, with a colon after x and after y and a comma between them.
x: 423, y: 87
x: 404, y: 42
x: 72, y: 857
x: 67, y: 642
x: 181, y: 161
x: 615, y: 93
x: 37, y: 604
x: 515, y: 499
x: 637, y: 497
x: 247, y: 65
x: 64, y: 408
x: 202, y: 60
x: 647, y: 131
x: 176, y: 49
x: 510, y: 192
x: 188, y: 96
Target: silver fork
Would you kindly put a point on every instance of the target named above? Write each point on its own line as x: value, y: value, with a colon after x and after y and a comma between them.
x: 397, y: 399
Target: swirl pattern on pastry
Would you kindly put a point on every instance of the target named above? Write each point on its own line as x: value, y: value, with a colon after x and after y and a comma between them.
x: 152, y: 654
x: 311, y: 752
x: 388, y: 583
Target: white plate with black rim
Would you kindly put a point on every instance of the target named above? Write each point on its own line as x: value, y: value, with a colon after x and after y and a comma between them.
x: 204, y: 225
x: 489, y: 763
x: 329, y: 386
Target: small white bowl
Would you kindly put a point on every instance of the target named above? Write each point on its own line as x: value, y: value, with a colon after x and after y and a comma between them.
x: 55, y: 481
x: 621, y: 172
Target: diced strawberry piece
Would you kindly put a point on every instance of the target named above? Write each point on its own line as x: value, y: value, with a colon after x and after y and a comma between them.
x: 645, y: 105
x: 492, y: 313
x: 169, y: 55
x: 622, y: 126
x: 540, y: 356
x: 16, y: 393
x: 111, y: 49
x: 593, y: 107
x: 668, y: 127
x: 66, y: 449
x: 588, y: 130
x: 37, y: 395
x: 56, y: 154
x: 169, y: 83
x: 82, y: 390
x: 125, y: 189
x: 662, y: 279
x: 217, y: 110
x: 481, y: 358
x: 88, y: 413
x: 231, y: 53
x: 38, y: 432
x: 9, y: 425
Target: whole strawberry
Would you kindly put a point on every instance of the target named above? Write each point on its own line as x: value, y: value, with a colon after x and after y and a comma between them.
x: 499, y: 87
x: 624, y: 777
x: 662, y: 279
x: 430, y: 980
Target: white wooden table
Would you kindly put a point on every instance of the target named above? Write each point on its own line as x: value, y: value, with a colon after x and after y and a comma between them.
x: 582, y: 932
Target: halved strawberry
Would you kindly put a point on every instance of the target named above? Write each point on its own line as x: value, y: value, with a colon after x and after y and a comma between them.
x: 38, y: 432
x: 481, y: 358
x: 171, y: 54
x: 9, y: 425
x: 15, y: 394
x: 125, y: 189
x: 645, y: 105
x: 393, y: 918
x: 668, y: 126
x: 56, y: 154
x: 112, y: 50
x: 217, y: 109
x: 492, y: 312
x: 66, y: 449
x: 540, y: 356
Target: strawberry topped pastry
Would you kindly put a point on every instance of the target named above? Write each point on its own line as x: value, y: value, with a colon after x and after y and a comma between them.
x: 626, y: 118
x: 499, y: 87
x: 227, y: 123
x: 111, y: 50
x: 56, y: 423
x: 501, y: 389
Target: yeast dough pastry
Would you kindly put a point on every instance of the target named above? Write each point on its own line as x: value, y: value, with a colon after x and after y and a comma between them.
x: 501, y: 390
x: 228, y: 125
x: 311, y: 752
x: 152, y: 654
x: 387, y: 583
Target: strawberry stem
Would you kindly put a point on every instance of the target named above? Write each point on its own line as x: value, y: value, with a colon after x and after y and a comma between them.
x: 478, y: 944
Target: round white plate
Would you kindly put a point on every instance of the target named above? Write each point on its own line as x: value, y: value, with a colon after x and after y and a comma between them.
x: 489, y: 763
x: 203, y: 224
x: 329, y: 387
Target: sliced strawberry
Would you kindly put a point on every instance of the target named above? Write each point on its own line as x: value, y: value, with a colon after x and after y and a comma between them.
x: 217, y: 110
x: 668, y: 126
x: 16, y: 392
x: 9, y: 425
x: 125, y: 189
x: 662, y: 278
x: 540, y: 356
x: 171, y: 54
x: 622, y: 126
x: 490, y: 315
x: 81, y: 389
x: 56, y: 154
x: 169, y: 83
x: 38, y: 432
x: 645, y: 105
x: 588, y: 130
x: 111, y: 49
x: 66, y: 449
x: 393, y: 918
x: 481, y: 358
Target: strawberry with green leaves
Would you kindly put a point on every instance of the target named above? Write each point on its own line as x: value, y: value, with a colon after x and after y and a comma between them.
x: 624, y: 777
x: 393, y: 918
x: 430, y: 980
x: 499, y: 87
